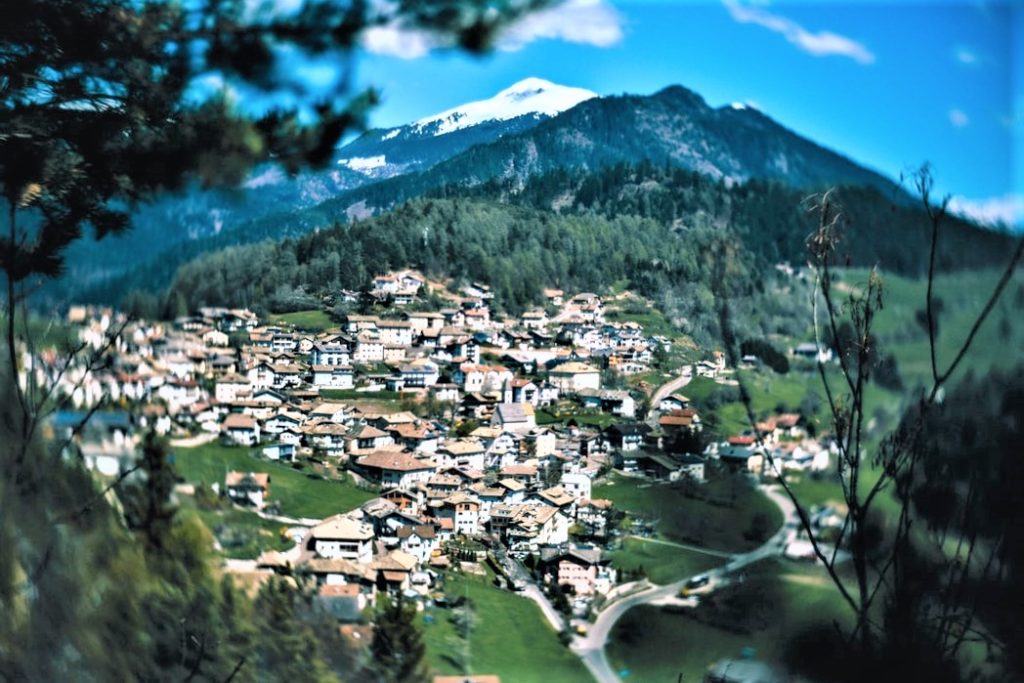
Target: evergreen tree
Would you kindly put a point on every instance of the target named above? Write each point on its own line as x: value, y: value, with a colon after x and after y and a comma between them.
x: 397, y: 646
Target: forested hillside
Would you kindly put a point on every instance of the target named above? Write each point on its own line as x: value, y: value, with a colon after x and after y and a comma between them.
x: 772, y: 218
x: 662, y: 203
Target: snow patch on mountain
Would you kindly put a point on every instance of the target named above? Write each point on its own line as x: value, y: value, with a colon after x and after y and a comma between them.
x: 391, y: 134
x: 363, y: 164
x: 528, y: 96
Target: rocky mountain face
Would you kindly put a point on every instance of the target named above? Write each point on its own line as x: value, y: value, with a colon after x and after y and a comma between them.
x: 529, y: 128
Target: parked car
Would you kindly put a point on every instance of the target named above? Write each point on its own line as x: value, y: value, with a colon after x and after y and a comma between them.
x: 698, y: 585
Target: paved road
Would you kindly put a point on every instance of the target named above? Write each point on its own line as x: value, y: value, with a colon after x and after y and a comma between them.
x: 516, y: 572
x: 192, y: 441
x: 667, y: 389
x: 591, y: 649
x: 684, y: 546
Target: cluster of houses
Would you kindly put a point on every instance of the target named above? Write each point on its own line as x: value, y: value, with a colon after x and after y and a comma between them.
x: 502, y: 475
x: 428, y: 504
x: 222, y: 371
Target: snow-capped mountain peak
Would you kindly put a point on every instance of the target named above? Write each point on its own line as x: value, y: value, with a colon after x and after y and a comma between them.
x: 528, y: 96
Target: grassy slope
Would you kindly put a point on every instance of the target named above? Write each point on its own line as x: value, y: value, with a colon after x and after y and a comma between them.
x: 314, y: 320
x: 251, y: 534
x: 656, y: 645
x: 663, y: 563
x: 653, y: 320
x: 719, y: 527
x: 300, y: 496
x: 511, y: 637
x: 962, y: 296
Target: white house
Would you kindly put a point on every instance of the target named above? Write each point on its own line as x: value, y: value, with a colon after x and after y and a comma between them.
x: 577, y: 485
x: 573, y: 377
x: 394, y: 469
x: 243, y: 430
x: 332, y: 376
x: 342, y: 538
x: 248, y: 488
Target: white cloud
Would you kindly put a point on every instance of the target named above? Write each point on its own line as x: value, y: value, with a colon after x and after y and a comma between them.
x: 965, y: 55
x: 588, y: 22
x: 819, y: 44
x: 1007, y: 210
x: 958, y: 118
x: 396, y: 41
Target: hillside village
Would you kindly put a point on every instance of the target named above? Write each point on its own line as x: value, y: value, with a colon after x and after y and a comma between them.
x: 471, y: 439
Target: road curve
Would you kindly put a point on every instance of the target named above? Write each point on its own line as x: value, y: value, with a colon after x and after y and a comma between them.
x: 591, y: 649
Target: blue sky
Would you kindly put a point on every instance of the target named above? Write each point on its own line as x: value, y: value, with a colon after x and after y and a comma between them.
x: 889, y: 84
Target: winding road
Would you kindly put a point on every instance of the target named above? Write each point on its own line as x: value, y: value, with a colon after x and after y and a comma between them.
x: 591, y: 648
x: 670, y: 387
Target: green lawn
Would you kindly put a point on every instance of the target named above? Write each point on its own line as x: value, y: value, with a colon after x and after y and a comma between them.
x: 662, y: 563
x: 658, y: 645
x: 45, y: 332
x: 511, y: 638
x: 599, y: 420
x: 352, y: 394
x: 242, y: 535
x: 299, y: 495
x: 312, y: 320
x: 653, y: 321
x: 962, y: 296
x: 717, y: 520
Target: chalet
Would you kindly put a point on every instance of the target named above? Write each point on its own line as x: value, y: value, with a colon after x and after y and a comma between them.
x: 354, y: 324
x: 517, y: 418
x: 332, y: 376
x: 329, y: 437
x: 691, y: 467
x: 419, y: 373
x: 230, y: 387
x: 247, y: 488
x: 339, y: 573
x: 367, y: 437
x: 279, y: 451
x: 329, y: 354
x: 281, y: 421
x: 392, y: 469
x: 580, y: 567
x: 678, y: 421
x: 395, y: 332
x: 425, y: 321
x: 554, y: 296
x: 556, y: 497
x: 627, y: 436
x: 419, y: 541
x: 341, y: 538
x: 462, y: 453
x: 394, y: 571
x: 214, y: 338
x: 619, y: 403
x: 464, y: 509
x: 420, y: 438
x: 526, y: 527
x: 811, y: 351
x: 524, y: 474
x: 594, y: 515
x: 673, y: 403
x: 482, y: 378
x: 369, y: 349
x: 576, y: 484
x: 241, y: 429
x: 535, y: 319
x: 572, y: 377
x: 333, y: 412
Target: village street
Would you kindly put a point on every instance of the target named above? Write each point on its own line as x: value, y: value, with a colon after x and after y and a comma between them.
x: 591, y: 648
